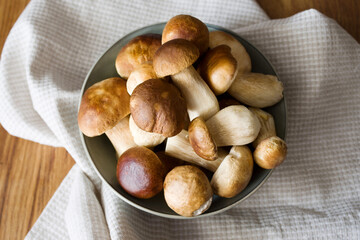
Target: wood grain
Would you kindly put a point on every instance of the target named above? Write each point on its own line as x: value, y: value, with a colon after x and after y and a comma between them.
x: 345, y: 12
x: 30, y: 173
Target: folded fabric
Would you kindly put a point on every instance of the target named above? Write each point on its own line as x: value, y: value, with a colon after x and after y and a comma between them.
x: 314, y: 194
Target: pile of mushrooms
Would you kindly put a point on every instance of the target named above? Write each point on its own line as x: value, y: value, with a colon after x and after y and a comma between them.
x: 192, y: 91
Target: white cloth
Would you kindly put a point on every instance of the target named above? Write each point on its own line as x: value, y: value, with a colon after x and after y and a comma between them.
x: 315, y: 194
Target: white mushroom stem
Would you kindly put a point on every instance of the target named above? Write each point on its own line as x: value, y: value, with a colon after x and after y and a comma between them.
x: 120, y: 136
x: 234, y: 173
x: 179, y: 147
x: 200, y: 100
x: 233, y: 125
x: 257, y: 89
x: 143, y: 138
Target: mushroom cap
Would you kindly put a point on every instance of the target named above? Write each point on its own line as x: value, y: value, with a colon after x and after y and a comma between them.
x: 187, y: 191
x: 157, y: 106
x: 139, y: 50
x: 234, y: 173
x: 102, y: 106
x: 140, y: 172
x: 141, y: 73
x: 174, y: 56
x: 217, y: 38
x: 189, y: 28
x: 218, y: 68
x: 270, y: 152
x: 201, y: 140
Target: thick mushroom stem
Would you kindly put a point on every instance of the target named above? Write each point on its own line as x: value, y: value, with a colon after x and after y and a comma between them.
x: 180, y: 147
x: 144, y: 138
x: 200, y: 100
x: 233, y: 125
x: 120, y: 136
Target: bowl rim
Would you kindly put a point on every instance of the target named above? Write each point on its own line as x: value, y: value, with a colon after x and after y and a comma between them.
x: 205, y: 214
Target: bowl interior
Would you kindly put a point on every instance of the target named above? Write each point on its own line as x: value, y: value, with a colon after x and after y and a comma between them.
x: 102, y: 154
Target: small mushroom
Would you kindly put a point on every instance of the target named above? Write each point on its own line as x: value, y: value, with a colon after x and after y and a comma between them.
x: 257, y: 89
x: 234, y: 173
x: 243, y: 60
x: 187, y: 191
x: 175, y: 58
x: 218, y: 68
x: 267, y: 123
x: 104, y: 108
x: 140, y: 172
x: 270, y: 152
x: 201, y: 140
x: 189, y: 28
x: 157, y: 106
x: 139, y: 50
x: 143, y: 72
x: 143, y: 138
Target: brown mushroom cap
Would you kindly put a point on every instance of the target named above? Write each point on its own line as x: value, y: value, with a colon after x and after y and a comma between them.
x: 201, y: 140
x: 187, y: 191
x: 140, y: 172
x: 157, y: 106
x: 102, y: 106
x: 139, y: 50
x: 189, y: 28
x: 174, y: 56
x: 218, y: 68
x: 270, y: 152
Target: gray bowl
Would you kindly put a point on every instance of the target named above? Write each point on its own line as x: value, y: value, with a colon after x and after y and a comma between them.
x: 102, y: 154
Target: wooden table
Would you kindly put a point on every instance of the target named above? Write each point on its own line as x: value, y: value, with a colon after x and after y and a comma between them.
x: 30, y: 173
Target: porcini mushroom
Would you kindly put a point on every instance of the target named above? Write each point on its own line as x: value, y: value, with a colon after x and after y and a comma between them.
x: 175, y: 58
x: 157, y: 106
x: 140, y: 172
x: 257, y: 89
x: 267, y: 124
x: 139, y: 50
x: 187, y: 191
x: 189, y: 28
x: 218, y: 68
x: 141, y: 73
x: 233, y: 125
x: 104, y: 108
x: 270, y: 152
x: 243, y: 60
x: 143, y: 138
x: 234, y: 173
x: 201, y: 140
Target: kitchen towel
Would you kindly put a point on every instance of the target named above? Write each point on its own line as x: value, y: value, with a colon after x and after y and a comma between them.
x: 315, y: 194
